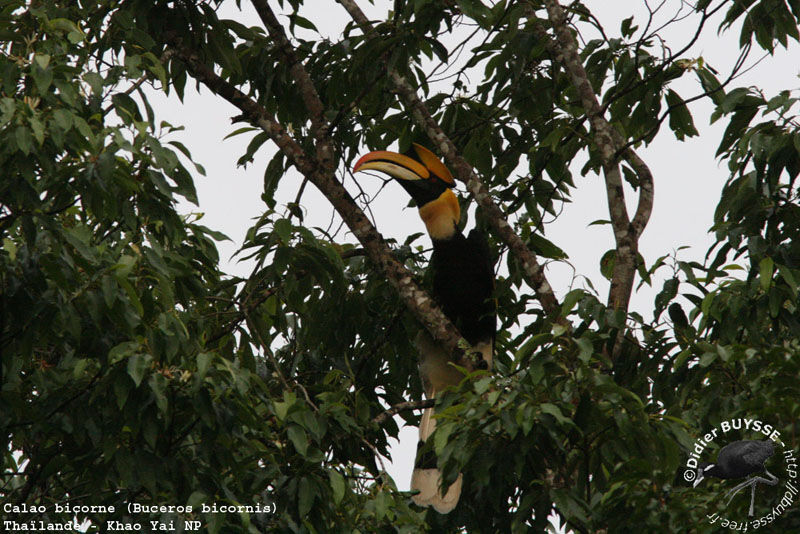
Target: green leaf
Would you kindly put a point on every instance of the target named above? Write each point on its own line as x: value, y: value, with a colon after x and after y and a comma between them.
x: 668, y: 292
x: 337, y: 485
x: 305, y: 498
x: 680, y: 119
x: 789, y: 278
x: 281, y: 408
x: 95, y: 81
x: 38, y: 130
x: 297, y: 20
x: 681, y: 358
x: 586, y: 349
x: 203, y: 362
x: 738, y: 124
x: 155, y: 67
x: 607, y: 263
x: 627, y: 28
x: 74, y: 33
x: 137, y: 366
x: 570, y: 299
x: 298, y: 438
x: 555, y: 411
x: 711, y: 85
x: 708, y: 358
x: 259, y: 139
x: 24, y: 140
x: 765, y: 270
x: 222, y: 51
x: 283, y: 227
x: 63, y: 119
x: 122, y: 389
x: 441, y: 437
x: 240, y: 131
x: 439, y: 49
x: 126, y: 108
x: 544, y: 247
x: 42, y: 75
x: 474, y: 9
x: 150, y: 432
x: 8, y: 107
x: 158, y: 387
x: 11, y: 248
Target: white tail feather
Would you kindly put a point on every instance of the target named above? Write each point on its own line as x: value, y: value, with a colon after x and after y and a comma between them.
x: 428, y: 481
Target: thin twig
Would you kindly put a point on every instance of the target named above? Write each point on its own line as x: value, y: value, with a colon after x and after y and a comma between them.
x: 401, y: 407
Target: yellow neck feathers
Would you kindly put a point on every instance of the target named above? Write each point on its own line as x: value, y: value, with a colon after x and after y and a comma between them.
x: 441, y: 216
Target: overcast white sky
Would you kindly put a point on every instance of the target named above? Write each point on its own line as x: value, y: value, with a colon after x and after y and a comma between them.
x: 688, y: 179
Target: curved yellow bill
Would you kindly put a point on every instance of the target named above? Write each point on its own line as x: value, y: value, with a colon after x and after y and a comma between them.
x: 393, y: 164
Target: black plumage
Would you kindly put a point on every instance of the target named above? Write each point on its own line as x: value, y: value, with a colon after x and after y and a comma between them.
x: 463, y: 281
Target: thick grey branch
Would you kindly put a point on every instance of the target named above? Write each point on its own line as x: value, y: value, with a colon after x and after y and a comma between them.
x: 608, y: 142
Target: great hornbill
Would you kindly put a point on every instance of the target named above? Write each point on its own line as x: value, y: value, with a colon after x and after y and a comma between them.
x: 463, y: 281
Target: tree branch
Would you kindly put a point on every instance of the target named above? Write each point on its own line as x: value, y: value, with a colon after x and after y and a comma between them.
x: 608, y: 142
x: 533, y: 271
x: 308, y: 92
x: 401, y: 407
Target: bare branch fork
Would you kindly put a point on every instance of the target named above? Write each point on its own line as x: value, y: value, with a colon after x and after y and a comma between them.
x: 321, y: 174
x: 533, y: 271
x: 610, y: 145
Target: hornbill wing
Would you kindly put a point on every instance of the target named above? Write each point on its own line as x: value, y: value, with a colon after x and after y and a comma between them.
x: 487, y: 320
x: 463, y: 283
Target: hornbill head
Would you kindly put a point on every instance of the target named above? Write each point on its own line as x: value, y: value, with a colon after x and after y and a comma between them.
x: 428, y: 182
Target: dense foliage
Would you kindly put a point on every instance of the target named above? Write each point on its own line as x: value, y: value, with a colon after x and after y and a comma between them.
x: 135, y: 371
